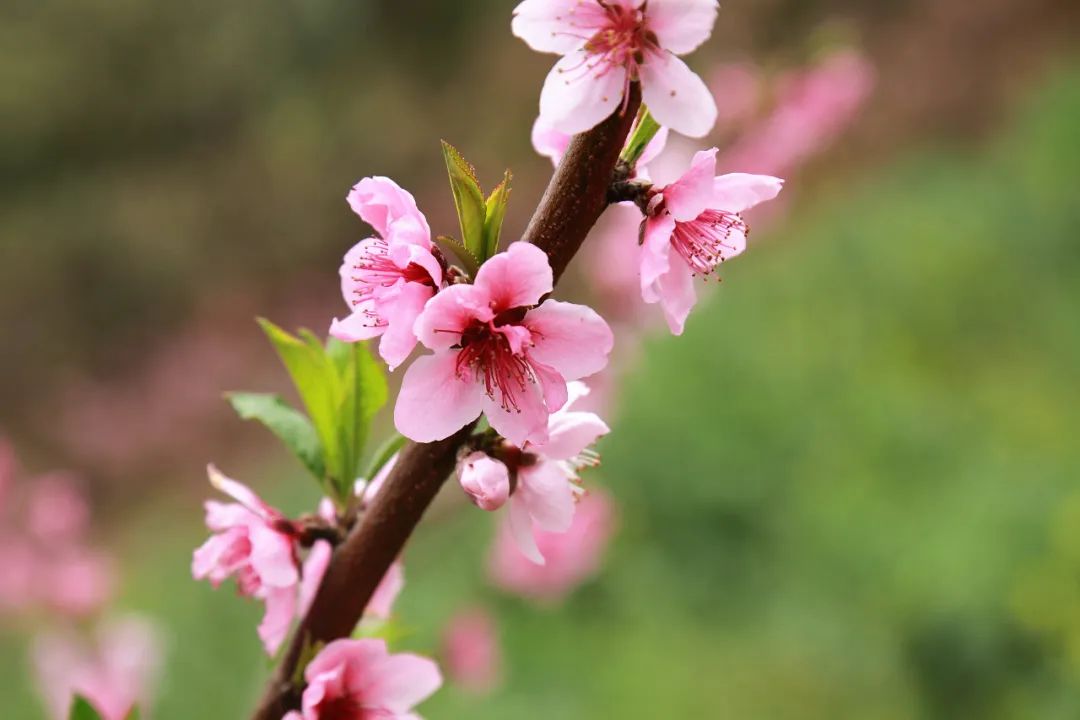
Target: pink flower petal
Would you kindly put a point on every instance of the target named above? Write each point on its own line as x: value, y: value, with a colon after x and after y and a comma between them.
x: 400, y: 313
x: 315, y: 565
x: 546, y: 492
x: 655, y: 254
x: 676, y: 96
x: 524, y: 421
x: 382, y: 601
x: 693, y: 193
x: 521, y: 529
x: 548, y: 141
x: 736, y: 192
x: 517, y: 277
x: 569, y: 433
x: 677, y: 295
x: 358, y: 326
x: 434, y: 401
x: 571, y: 338
x: 449, y: 312
x: 382, y: 203
x: 400, y: 682
x: 576, y: 99
x: 280, y: 611
x: 681, y: 25
x: 240, y: 493
x: 272, y: 557
x: 554, y: 26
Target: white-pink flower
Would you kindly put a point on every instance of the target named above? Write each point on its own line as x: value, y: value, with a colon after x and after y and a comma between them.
x: 497, y: 353
x: 253, y: 543
x: 543, y: 475
x: 115, y: 671
x: 693, y: 225
x: 571, y: 557
x: 361, y: 680
x: 608, y: 44
x: 387, y: 279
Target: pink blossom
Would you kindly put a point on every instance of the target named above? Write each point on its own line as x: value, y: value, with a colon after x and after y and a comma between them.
x: 20, y: 576
x: 253, y: 543
x: 382, y: 600
x: 496, y: 353
x: 115, y: 671
x: 361, y: 680
x: 484, y: 480
x: 56, y: 511
x: 551, y: 143
x: 608, y: 44
x: 739, y: 87
x: 387, y: 279
x: 544, y: 475
x: 693, y: 225
x: 813, y: 107
x: 571, y: 557
x: 471, y: 651
x: 612, y: 265
x: 77, y: 582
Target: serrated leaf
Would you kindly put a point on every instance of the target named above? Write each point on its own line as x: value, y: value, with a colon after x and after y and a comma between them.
x: 467, y: 259
x: 315, y: 378
x: 468, y: 199
x: 495, y: 213
x: 290, y: 426
x: 81, y: 709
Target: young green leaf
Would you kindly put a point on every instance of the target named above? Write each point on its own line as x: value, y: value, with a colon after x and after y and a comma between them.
x: 316, y: 381
x: 468, y: 199
x: 470, y: 262
x: 289, y: 425
x: 81, y: 709
x: 133, y: 715
x: 495, y: 213
x: 363, y: 393
x: 645, y: 130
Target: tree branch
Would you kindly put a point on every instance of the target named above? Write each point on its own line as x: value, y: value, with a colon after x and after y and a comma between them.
x: 571, y: 205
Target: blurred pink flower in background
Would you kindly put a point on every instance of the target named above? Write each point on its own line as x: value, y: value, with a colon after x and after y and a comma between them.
x: 114, y: 669
x: 813, y: 106
x: 571, y: 558
x: 611, y: 263
x: 250, y: 542
x: 360, y: 679
x: 471, y: 651
x: 738, y: 89
x: 56, y: 511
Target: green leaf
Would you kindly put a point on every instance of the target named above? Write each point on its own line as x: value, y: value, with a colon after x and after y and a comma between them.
x: 382, y: 456
x: 81, y: 709
x: 316, y: 380
x: 645, y: 129
x: 289, y: 425
x: 495, y: 213
x: 470, y: 262
x: 468, y: 199
x: 363, y: 392
x: 133, y: 715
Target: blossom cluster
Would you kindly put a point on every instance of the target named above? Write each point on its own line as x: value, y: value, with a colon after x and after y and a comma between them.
x: 501, y: 363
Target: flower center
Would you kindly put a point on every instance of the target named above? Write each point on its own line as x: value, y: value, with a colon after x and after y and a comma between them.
x: 374, y: 270
x: 710, y: 239
x: 341, y: 708
x: 487, y: 352
x: 618, y: 38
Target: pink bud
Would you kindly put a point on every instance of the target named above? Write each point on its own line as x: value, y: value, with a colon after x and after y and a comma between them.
x: 485, y: 480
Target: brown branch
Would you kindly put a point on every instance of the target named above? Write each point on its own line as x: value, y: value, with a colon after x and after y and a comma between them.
x: 572, y: 203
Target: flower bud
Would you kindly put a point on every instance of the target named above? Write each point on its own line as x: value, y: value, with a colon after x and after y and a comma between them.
x: 486, y: 481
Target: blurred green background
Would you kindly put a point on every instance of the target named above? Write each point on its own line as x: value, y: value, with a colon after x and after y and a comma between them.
x: 849, y: 491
